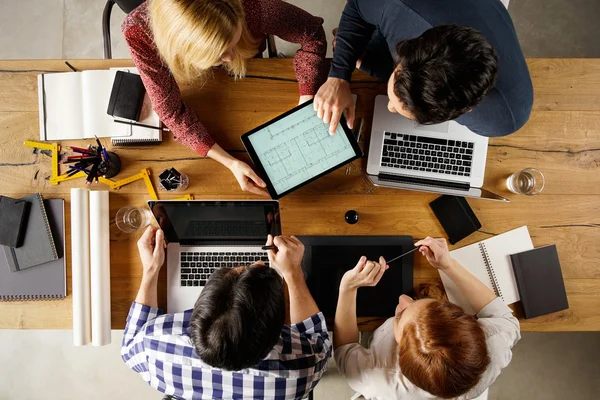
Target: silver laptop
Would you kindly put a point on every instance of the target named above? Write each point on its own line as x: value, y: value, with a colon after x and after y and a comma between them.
x: 203, y: 236
x: 444, y: 158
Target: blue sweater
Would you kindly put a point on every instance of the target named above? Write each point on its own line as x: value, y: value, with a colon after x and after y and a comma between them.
x: 378, y: 25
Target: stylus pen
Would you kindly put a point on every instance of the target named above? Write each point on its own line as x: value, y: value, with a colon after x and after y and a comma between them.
x: 402, y: 255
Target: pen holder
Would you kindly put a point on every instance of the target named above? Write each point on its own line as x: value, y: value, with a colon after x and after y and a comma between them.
x: 114, y: 165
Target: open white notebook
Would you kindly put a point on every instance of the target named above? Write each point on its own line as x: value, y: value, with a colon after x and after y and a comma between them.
x: 489, y: 261
x: 72, y: 105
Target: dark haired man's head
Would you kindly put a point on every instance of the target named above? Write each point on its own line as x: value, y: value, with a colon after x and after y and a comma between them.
x: 442, y: 74
x: 238, y: 317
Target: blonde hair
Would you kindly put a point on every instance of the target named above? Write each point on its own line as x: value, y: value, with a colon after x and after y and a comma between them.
x: 192, y: 35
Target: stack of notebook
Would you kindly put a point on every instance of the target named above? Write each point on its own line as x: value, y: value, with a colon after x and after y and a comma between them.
x: 510, y: 266
x: 35, y: 267
x: 73, y: 105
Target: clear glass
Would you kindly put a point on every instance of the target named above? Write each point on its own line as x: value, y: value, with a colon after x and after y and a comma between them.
x: 529, y: 182
x: 130, y: 219
x: 182, y: 185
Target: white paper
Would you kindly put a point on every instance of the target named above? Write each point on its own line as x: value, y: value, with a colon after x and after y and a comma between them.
x: 80, y: 266
x: 100, y: 267
x: 62, y: 95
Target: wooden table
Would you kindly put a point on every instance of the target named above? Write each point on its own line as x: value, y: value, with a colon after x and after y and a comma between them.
x: 562, y: 139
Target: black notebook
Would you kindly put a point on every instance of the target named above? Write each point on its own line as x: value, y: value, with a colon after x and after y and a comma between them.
x: 126, y: 96
x: 540, y: 281
x: 46, y: 281
x: 456, y: 217
x: 38, y: 244
x: 13, y: 221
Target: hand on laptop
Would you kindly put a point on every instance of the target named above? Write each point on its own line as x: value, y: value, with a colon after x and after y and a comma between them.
x: 287, y: 258
x: 365, y: 273
x: 152, y: 251
x: 248, y: 179
x: 436, y: 252
x: 331, y: 100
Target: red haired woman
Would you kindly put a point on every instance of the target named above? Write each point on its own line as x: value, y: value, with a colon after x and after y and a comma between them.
x: 430, y: 348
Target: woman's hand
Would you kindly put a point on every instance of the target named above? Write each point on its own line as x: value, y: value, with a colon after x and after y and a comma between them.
x: 247, y: 178
x: 366, y: 273
x: 305, y: 98
x: 436, y: 252
x: 152, y: 251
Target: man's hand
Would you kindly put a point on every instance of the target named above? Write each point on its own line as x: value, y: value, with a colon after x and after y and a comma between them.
x: 287, y: 258
x: 248, y: 179
x: 436, y: 252
x: 331, y: 100
x: 366, y: 273
x: 152, y: 251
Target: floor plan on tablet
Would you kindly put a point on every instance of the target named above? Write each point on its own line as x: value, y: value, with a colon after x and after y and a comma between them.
x: 298, y: 148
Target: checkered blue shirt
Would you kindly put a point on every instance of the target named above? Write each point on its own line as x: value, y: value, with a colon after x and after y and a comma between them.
x: 159, y: 348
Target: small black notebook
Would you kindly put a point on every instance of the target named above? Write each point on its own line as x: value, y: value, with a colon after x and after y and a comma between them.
x: 126, y: 96
x: 456, y: 217
x: 38, y: 243
x: 13, y: 221
x: 540, y: 281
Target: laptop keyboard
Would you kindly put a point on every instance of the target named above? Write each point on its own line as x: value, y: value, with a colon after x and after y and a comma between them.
x: 196, y: 267
x: 419, y: 153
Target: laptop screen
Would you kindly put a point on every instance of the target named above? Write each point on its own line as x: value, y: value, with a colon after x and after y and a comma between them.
x: 217, y: 222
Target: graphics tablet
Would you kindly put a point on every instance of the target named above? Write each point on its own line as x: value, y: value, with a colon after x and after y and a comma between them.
x: 296, y: 148
x: 327, y: 258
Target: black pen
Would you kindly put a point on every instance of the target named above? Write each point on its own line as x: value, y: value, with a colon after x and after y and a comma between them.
x: 70, y: 66
x: 271, y: 247
x: 141, y: 125
x: 404, y: 254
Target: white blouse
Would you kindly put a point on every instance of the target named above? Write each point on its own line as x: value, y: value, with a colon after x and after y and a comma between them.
x: 374, y: 372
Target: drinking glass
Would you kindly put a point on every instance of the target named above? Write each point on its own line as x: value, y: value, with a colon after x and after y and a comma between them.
x: 529, y: 182
x: 130, y: 219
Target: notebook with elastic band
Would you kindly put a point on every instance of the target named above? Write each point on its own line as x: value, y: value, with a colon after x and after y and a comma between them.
x: 13, y: 221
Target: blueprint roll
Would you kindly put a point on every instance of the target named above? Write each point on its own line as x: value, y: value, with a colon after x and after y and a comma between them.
x: 80, y: 262
x: 100, y: 267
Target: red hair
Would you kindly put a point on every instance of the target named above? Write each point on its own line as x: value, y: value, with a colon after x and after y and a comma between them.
x: 443, y: 350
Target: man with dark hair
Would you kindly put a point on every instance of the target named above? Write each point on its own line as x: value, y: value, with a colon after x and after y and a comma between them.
x: 443, y: 60
x: 234, y: 343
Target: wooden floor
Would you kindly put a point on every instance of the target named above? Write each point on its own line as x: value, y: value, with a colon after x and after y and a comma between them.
x: 562, y: 139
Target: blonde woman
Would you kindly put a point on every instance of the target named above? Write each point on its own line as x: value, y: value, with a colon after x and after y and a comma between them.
x: 180, y: 41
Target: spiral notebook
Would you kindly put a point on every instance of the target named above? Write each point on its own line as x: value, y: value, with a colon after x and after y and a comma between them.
x: 46, y: 281
x: 489, y: 261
